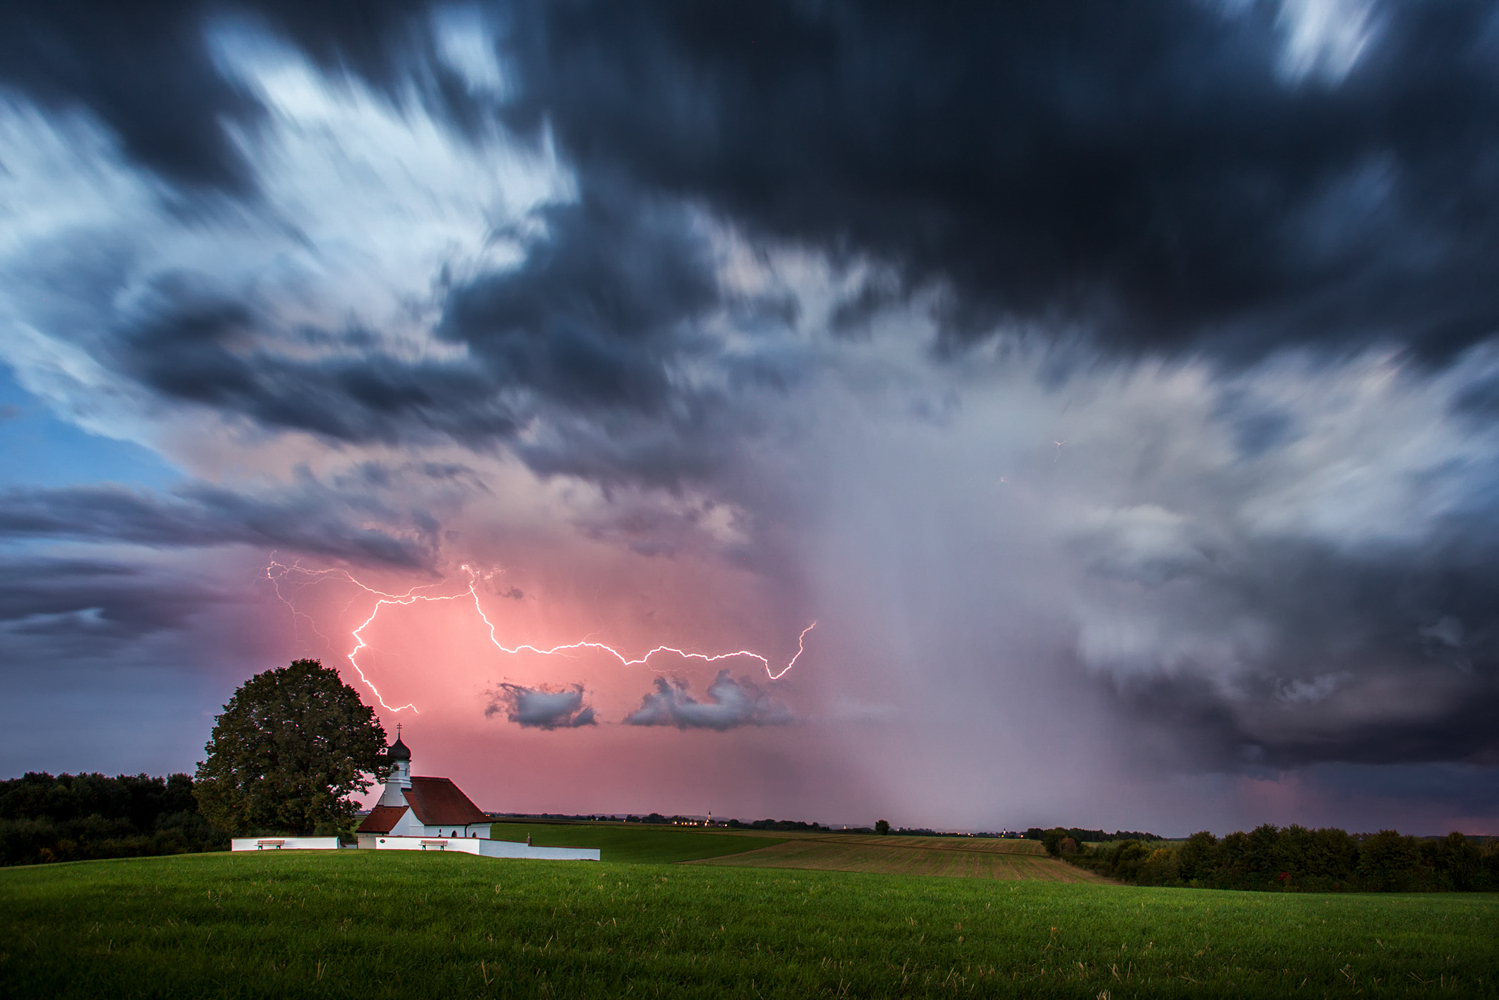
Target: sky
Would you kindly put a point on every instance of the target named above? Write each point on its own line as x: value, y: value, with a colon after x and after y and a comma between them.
x: 974, y: 417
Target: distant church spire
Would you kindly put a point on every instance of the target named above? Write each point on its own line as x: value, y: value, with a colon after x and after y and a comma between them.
x: 398, y: 750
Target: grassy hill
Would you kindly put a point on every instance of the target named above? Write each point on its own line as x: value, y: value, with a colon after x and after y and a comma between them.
x: 409, y: 926
x: 960, y: 857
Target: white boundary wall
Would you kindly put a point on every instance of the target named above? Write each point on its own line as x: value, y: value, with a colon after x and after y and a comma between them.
x: 284, y: 844
x: 486, y: 848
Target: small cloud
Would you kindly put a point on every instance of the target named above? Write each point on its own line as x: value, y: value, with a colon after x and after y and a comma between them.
x: 541, y: 708
x: 1448, y: 630
x: 732, y: 703
x: 1310, y: 691
x: 1147, y: 544
x: 514, y: 593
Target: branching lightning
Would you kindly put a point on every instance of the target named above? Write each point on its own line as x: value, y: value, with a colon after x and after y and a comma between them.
x: 276, y: 572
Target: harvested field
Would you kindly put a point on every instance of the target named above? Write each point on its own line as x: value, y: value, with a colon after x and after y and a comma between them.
x: 900, y: 856
x: 988, y: 845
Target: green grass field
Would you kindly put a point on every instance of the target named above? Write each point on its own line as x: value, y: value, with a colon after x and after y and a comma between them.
x: 401, y: 925
x: 1023, y: 860
x: 633, y: 844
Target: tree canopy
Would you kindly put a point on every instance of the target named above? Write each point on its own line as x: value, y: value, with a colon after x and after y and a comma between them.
x: 291, y: 747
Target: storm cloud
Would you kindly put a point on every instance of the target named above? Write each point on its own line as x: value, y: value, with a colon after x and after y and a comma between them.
x: 1291, y: 654
x: 1174, y: 175
x: 86, y: 602
x: 309, y: 520
x: 1229, y: 177
x: 1128, y: 367
x: 184, y: 354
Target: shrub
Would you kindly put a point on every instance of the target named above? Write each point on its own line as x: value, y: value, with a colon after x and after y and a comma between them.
x: 1389, y: 862
x: 1160, y: 868
x: 1126, y: 859
x: 1197, y: 857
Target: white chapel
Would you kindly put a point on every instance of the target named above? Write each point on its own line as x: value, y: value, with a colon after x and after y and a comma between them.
x: 420, y: 807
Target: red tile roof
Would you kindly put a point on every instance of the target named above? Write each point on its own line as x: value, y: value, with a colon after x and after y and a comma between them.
x: 382, y: 819
x: 438, y: 802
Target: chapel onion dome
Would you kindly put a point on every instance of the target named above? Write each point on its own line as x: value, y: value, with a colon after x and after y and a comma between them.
x: 397, y: 751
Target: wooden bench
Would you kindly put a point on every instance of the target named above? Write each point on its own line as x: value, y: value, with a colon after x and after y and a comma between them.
x: 441, y: 845
x: 261, y: 845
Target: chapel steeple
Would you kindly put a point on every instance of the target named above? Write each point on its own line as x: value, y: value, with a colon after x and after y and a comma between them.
x: 398, y: 756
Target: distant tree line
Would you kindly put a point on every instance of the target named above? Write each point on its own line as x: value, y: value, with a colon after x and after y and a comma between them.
x: 655, y: 818
x: 73, y: 817
x: 1051, y: 838
x: 881, y: 827
x: 1292, y: 859
x: 777, y: 824
x: 921, y: 831
x: 561, y: 817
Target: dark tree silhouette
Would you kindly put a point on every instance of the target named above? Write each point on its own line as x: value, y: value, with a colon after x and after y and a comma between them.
x: 291, y: 747
x: 882, y: 826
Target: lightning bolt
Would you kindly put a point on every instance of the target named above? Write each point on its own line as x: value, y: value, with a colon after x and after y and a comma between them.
x: 276, y: 571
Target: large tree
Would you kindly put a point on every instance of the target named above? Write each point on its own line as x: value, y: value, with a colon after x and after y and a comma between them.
x: 291, y: 747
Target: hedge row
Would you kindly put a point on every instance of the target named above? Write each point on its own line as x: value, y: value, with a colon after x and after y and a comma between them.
x: 1295, y: 859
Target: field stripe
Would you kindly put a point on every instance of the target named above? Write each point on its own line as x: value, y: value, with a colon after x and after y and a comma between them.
x: 983, y: 845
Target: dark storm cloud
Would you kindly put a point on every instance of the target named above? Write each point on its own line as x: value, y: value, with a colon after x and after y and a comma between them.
x: 1373, y: 657
x: 309, y: 521
x: 602, y: 302
x: 143, y: 69
x: 146, y: 70
x: 1155, y: 173
x: 1151, y: 170
x: 588, y: 334
x: 1469, y: 791
x: 732, y: 703
x: 538, y: 708
x: 191, y: 349
x: 76, y: 603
